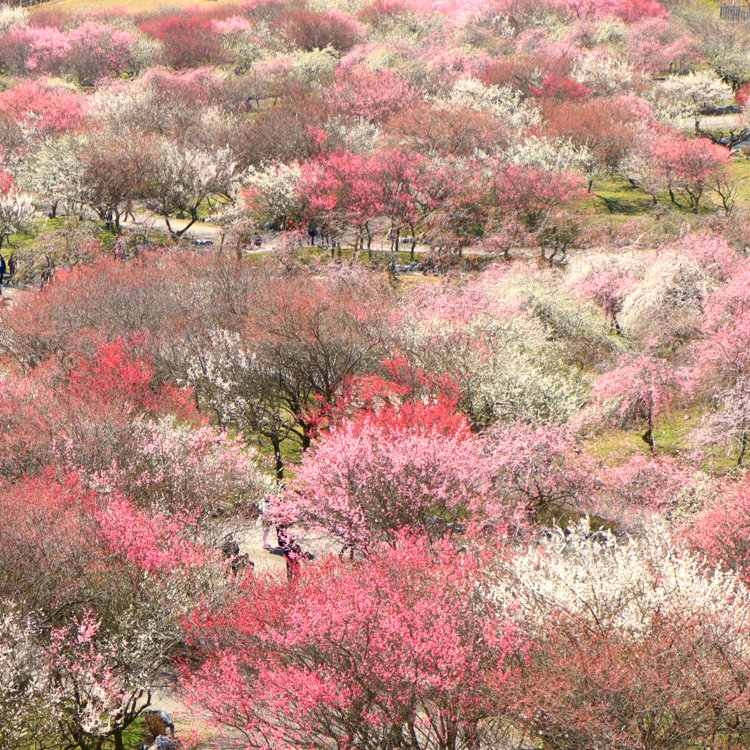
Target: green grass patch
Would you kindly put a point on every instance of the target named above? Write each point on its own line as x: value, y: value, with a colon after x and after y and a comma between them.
x: 133, y: 736
x: 673, y: 434
x: 616, y: 195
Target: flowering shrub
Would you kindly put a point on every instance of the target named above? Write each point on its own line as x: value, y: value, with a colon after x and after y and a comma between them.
x: 600, y: 609
x: 400, y: 645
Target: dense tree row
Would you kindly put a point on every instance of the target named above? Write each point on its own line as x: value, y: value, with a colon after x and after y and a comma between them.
x: 454, y: 125
x: 436, y: 446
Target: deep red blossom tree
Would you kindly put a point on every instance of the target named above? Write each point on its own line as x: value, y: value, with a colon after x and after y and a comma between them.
x: 604, y: 125
x: 399, y: 650
x: 560, y: 89
x: 44, y: 107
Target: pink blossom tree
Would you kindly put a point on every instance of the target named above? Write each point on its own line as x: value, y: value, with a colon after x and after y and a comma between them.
x: 540, y: 467
x: 107, y: 583
x: 636, y: 391
x: 381, y: 472
x: 642, y: 486
x: 400, y: 649
x: 688, y: 165
x: 722, y: 531
x: 44, y: 107
x: 99, y: 49
x: 371, y: 95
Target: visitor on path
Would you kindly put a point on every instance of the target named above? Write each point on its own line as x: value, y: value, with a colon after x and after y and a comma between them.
x: 12, y: 266
x: 230, y: 548
x: 3, y: 268
x: 293, y: 554
x: 264, y: 523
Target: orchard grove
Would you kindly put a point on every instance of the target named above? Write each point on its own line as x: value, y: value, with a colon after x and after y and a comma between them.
x: 458, y: 293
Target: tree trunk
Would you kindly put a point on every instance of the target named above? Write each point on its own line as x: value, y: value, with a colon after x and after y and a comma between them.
x: 118, y: 739
x: 648, y: 436
x: 743, y: 448
x: 278, y: 460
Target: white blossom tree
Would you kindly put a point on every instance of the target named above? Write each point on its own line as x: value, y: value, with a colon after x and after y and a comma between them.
x: 550, y: 154
x: 506, y: 103
x: 640, y: 643
x: 16, y: 211
x: 54, y: 172
x: 604, y: 74
x: 183, y: 179
x: 274, y: 194
x: 688, y: 96
x: 24, y: 709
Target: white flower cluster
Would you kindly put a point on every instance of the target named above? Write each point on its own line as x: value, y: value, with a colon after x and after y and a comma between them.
x: 551, y: 154
x: 604, y: 74
x: 186, y: 176
x: 22, y: 682
x: 16, y: 211
x: 672, y: 281
x: 13, y: 18
x: 624, y: 584
x: 687, y: 96
x: 276, y: 194
x: 506, y: 103
x: 55, y: 171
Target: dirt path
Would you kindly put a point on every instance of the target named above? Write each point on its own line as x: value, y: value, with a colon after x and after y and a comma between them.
x: 205, y: 231
x: 11, y: 295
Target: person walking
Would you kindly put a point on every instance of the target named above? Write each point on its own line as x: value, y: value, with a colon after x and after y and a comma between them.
x: 293, y: 554
x: 3, y: 268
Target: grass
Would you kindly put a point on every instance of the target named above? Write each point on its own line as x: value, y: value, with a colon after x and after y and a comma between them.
x: 673, y: 434
x: 617, y: 195
x: 133, y: 735
x: 742, y: 172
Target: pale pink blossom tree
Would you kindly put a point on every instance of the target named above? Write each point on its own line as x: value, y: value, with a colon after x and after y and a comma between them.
x: 377, y: 474
x: 636, y: 391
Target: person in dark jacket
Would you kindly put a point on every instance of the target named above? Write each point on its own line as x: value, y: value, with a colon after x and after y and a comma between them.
x: 293, y: 553
x: 3, y: 268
